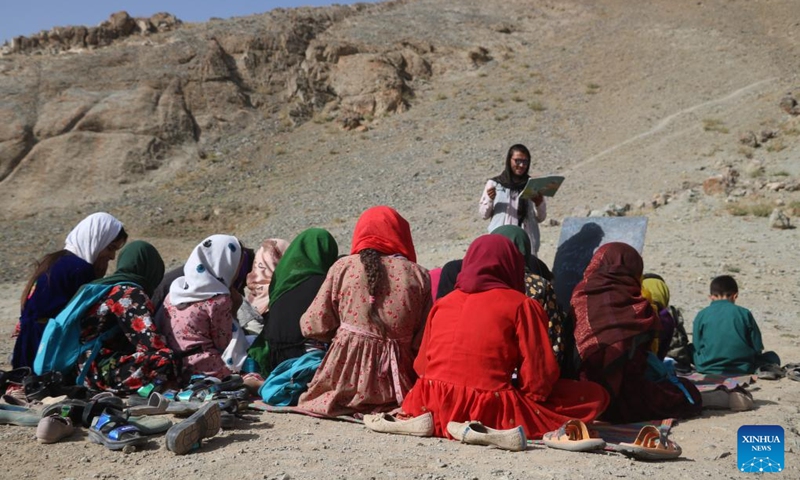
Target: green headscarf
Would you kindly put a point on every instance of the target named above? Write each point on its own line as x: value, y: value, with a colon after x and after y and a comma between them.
x: 311, y: 253
x: 518, y: 237
x: 139, y: 263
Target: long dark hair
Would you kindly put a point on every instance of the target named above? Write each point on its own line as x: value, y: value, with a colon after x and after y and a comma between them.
x: 371, y: 259
x: 47, y: 262
x: 507, y: 180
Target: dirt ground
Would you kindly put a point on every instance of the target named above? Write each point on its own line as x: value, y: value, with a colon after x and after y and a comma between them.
x: 631, y: 101
x: 280, y: 446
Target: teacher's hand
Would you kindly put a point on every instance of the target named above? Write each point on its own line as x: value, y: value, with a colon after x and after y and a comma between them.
x: 492, y: 192
x: 537, y: 199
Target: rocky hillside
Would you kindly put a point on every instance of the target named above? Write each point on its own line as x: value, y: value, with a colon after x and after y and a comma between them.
x: 268, y: 124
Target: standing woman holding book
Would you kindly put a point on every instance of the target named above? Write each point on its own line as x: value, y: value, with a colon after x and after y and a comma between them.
x: 501, y: 198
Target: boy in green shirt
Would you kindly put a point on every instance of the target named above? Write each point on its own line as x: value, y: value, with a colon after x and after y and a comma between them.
x: 726, y: 337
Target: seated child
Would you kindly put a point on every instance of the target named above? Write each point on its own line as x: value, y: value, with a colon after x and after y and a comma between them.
x: 726, y: 337
x: 655, y: 289
x: 201, y: 306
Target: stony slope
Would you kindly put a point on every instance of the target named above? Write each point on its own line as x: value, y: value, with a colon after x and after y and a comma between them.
x: 636, y: 102
x: 237, y: 125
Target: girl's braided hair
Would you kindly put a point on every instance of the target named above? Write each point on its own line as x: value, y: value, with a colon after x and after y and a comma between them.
x: 371, y: 259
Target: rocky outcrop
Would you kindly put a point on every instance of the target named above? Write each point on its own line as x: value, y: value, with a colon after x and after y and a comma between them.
x: 153, y: 94
x: 119, y: 26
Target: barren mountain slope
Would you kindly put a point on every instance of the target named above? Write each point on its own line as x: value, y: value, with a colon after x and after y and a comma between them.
x: 237, y: 126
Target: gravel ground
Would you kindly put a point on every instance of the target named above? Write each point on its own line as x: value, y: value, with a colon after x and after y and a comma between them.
x: 616, y: 96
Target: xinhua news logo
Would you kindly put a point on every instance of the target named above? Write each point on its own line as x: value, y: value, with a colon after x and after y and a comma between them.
x: 760, y: 448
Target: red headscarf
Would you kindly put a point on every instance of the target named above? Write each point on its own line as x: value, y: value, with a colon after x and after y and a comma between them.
x: 492, y: 261
x: 383, y: 229
x: 608, y: 303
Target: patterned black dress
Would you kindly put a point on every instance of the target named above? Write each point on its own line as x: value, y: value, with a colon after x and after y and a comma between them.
x: 137, y: 355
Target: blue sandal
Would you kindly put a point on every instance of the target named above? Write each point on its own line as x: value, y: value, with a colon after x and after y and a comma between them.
x: 115, y: 432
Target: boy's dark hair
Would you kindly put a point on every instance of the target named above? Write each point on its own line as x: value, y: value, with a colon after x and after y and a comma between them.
x: 724, y: 286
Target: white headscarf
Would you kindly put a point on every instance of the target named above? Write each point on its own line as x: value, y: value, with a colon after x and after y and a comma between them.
x: 210, y: 270
x: 93, y: 235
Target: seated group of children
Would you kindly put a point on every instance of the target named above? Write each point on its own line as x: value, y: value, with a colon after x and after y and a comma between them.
x: 494, y: 347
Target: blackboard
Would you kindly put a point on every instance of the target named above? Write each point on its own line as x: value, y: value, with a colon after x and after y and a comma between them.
x: 579, y: 239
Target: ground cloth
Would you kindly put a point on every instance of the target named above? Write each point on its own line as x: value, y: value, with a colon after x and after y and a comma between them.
x: 259, y: 405
x: 708, y: 382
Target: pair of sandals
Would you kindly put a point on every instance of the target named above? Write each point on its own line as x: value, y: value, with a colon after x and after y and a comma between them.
x: 776, y: 372
x: 50, y: 384
x: 13, y: 377
x: 650, y: 444
x: 118, y: 429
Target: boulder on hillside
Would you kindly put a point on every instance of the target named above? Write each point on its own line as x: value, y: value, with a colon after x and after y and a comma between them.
x: 16, y: 138
x: 85, y: 165
x: 368, y: 84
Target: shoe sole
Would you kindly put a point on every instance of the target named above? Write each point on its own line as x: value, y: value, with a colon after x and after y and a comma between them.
x: 205, y: 422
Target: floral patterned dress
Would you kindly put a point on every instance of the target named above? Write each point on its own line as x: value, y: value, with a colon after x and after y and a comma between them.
x: 138, y: 355
x: 201, y: 330
x: 365, y: 371
x: 542, y: 291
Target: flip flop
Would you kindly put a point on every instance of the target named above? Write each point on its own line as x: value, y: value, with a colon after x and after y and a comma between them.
x: 156, y: 405
x: 98, y: 407
x: 148, y: 425
x: 13, y: 377
x: 230, y: 383
x: 16, y: 415
x: 650, y: 444
x: 792, y: 371
x: 574, y: 437
x: 115, y: 432
x: 770, y: 372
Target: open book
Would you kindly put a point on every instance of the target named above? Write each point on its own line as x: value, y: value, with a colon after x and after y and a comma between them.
x: 547, y: 186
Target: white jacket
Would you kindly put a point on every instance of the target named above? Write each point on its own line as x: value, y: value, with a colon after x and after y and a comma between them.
x: 503, y: 211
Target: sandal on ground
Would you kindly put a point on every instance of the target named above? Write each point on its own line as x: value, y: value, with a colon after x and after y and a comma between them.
x: 151, y: 425
x: 230, y: 383
x: 16, y: 415
x: 156, y: 405
x: 769, y: 372
x: 792, y: 371
x: 13, y: 377
x: 39, y: 386
x: 114, y: 432
x: 650, y: 444
x: 186, y: 436
x: 98, y: 407
x: 72, y: 409
x: 574, y: 437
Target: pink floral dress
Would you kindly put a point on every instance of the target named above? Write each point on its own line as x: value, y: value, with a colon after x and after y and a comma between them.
x: 205, y: 326
x: 365, y: 371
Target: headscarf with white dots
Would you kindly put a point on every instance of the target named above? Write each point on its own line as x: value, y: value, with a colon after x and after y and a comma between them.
x: 209, y: 272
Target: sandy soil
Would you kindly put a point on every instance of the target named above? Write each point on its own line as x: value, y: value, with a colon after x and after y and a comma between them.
x: 267, y: 445
x: 638, y: 100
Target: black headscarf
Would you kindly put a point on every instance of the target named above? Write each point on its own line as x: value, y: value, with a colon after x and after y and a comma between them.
x: 512, y: 182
